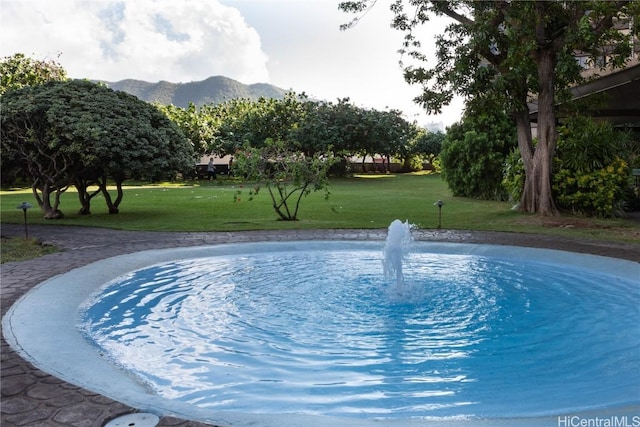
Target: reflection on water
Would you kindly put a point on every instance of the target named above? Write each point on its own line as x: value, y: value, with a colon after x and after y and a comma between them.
x: 324, y: 332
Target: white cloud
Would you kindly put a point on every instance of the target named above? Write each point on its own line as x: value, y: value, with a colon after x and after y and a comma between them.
x: 143, y: 39
x: 308, y: 52
x: 39, y: 28
x: 294, y: 44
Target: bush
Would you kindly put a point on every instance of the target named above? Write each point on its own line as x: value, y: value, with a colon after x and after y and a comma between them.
x: 288, y: 175
x: 473, y: 155
x: 591, y: 167
x: 599, y: 192
x: 435, y: 165
x: 514, y: 175
x: 412, y: 164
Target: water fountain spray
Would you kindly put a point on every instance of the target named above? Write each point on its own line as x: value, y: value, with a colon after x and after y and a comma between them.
x: 398, y: 238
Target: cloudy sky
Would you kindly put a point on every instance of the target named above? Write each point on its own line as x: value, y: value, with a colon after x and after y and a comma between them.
x: 293, y: 44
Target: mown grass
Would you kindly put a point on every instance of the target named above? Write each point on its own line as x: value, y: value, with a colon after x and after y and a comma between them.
x: 370, y: 201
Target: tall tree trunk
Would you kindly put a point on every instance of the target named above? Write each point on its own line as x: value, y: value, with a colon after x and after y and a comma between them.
x: 525, y: 139
x: 537, y: 196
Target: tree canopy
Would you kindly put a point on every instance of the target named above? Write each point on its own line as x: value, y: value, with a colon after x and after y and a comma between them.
x: 289, y: 145
x: 81, y: 133
x: 18, y: 71
x: 287, y: 174
x: 308, y: 126
x: 507, y: 53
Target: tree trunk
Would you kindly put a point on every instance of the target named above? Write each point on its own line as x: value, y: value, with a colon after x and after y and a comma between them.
x: 82, y: 181
x: 279, y: 202
x: 84, y: 195
x: 537, y: 196
x: 406, y: 164
x: 85, y: 201
x: 113, y: 209
x: 111, y: 205
x: 50, y: 210
x: 119, y: 195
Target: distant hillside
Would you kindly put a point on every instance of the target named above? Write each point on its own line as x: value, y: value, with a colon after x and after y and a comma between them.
x: 213, y: 90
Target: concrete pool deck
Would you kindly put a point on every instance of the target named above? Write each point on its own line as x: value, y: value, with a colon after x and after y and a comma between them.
x: 31, y: 397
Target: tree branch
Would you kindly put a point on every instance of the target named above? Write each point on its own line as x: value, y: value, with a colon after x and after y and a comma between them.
x: 443, y: 7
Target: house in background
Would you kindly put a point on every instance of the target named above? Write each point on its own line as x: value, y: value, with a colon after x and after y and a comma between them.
x: 615, y: 93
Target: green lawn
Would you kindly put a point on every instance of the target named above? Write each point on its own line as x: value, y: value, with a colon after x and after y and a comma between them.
x: 360, y: 202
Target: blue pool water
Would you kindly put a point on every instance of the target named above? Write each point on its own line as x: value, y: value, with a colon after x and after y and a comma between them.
x: 323, y: 332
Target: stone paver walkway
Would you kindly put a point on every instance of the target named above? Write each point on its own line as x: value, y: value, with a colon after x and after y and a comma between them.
x: 31, y: 397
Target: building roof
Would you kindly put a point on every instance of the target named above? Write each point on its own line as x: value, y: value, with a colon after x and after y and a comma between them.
x: 621, y: 90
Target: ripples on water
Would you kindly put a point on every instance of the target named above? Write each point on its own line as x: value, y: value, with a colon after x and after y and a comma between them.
x: 322, y: 332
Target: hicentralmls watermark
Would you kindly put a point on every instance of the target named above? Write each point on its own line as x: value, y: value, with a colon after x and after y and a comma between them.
x: 612, y: 421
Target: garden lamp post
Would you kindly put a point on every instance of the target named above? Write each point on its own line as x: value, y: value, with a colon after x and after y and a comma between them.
x: 24, y: 206
x: 439, y: 204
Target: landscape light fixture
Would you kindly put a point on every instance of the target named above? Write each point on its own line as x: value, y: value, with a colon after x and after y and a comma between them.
x: 24, y: 206
x: 439, y: 204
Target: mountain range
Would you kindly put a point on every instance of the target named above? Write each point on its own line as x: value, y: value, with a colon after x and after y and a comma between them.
x: 213, y: 90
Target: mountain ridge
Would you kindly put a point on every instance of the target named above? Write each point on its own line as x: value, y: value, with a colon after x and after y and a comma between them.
x: 212, y: 90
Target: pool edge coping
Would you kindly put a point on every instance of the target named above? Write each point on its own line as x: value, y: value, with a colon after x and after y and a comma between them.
x: 149, y: 405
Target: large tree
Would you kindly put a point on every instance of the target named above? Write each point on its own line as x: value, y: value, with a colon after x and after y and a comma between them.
x: 82, y: 133
x: 391, y: 135
x: 510, y: 52
x: 121, y: 137
x: 18, y: 71
x: 427, y: 145
x: 27, y: 142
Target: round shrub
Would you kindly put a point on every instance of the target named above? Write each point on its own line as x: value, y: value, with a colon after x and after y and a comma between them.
x: 473, y: 155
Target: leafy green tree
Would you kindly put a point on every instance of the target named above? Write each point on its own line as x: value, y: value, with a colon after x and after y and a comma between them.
x: 427, y: 144
x: 18, y: 71
x: 370, y: 140
x: 350, y: 130
x: 474, y: 152
x: 27, y: 141
x: 123, y: 138
x: 81, y: 133
x: 340, y: 129
x: 288, y: 175
x: 319, y: 130
x: 309, y: 127
x: 242, y: 121
x: 227, y: 124
x: 506, y: 52
x: 389, y: 135
x: 196, y: 124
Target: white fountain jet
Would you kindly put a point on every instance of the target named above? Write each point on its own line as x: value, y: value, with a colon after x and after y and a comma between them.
x: 398, y: 237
